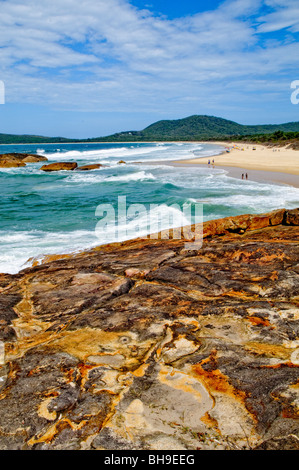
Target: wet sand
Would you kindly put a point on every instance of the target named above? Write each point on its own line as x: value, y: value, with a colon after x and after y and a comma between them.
x: 264, y: 164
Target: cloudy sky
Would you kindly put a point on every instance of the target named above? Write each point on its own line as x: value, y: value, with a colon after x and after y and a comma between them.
x: 86, y: 68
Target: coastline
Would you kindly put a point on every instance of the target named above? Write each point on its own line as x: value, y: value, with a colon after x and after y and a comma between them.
x: 264, y: 164
x: 260, y: 176
x: 144, y: 323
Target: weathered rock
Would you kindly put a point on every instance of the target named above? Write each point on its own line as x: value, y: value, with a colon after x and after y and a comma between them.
x: 14, y: 160
x: 94, y: 166
x: 21, y: 156
x: 290, y: 442
x: 147, y: 345
x: 13, y: 156
x: 292, y: 217
x: 61, y: 166
x: 11, y: 163
x: 121, y: 162
x: 34, y: 159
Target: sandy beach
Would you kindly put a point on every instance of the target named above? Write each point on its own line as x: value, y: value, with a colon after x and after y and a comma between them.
x: 261, y: 163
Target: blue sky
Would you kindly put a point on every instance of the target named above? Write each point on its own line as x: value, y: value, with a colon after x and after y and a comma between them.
x: 87, y: 68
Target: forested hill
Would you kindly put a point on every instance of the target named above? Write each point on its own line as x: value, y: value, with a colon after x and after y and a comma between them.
x: 199, y: 128
x: 30, y: 139
x: 190, y: 128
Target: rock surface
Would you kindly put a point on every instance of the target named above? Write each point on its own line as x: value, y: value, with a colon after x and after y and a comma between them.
x: 94, y: 166
x: 22, y: 157
x: 61, y: 166
x: 11, y: 160
x: 146, y: 345
x: 34, y: 159
x: 11, y: 163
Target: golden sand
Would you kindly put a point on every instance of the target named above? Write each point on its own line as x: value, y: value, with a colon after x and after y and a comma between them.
x: 254, y: 157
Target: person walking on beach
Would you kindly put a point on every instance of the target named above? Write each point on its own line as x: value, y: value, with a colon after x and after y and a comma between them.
x: 242, y: 176
x: 246, y: 176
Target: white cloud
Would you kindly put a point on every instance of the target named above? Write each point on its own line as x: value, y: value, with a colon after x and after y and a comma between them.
x: 108, y: 55
x: 285, y: 16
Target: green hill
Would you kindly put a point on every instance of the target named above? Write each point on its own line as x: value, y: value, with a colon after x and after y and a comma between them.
x: 190, y: 128
x: 30, y: 139
x: 198, y: 128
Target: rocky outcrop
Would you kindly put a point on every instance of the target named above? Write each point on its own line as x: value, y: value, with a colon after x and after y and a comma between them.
x: 34, y: 159
x: 11, y: 160
x: 94, y: 166
x: 146, y: 345
x: 61, y: 166
x: 11, y: 163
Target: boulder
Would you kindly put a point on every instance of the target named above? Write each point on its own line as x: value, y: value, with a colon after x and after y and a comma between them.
x: 292, y: 217
x: 94, y: 166
x: 22, y: 157
x: 61, y: 166
x: 34, y: 159
x: 11, y: 163
x: 121, y: 162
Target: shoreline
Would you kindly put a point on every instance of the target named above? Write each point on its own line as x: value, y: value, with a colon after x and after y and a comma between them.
x: 260, y: 176
x: 264, y: 164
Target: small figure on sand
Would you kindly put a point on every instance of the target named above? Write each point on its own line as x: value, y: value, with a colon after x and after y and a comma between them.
x: 246, y: 176
x: 209, y: 162
x: 242, y: 176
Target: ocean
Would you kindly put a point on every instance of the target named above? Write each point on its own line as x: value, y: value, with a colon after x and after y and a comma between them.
x: 53, y: 213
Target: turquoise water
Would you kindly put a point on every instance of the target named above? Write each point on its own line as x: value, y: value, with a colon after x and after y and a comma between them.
x: 46, y: 213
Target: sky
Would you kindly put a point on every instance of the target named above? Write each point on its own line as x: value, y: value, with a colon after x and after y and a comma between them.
x: 89, y: 68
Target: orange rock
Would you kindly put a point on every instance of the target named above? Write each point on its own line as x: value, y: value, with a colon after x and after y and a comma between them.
x: 94, y: 166
x: 12, y: 163
x: 61, y: 166
x: 34, y: 159
x: 292, y: 217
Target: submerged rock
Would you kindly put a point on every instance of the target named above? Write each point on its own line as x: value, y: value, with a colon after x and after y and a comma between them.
x: 148, y: 345
x: 61, y: 166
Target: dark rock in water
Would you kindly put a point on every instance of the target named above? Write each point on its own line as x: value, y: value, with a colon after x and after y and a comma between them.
x: 65, y: 166
x: 121, y: 162
x: 148, y: 345
x: 94, y: 166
